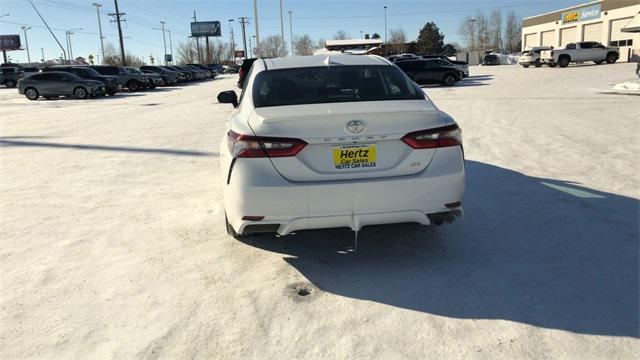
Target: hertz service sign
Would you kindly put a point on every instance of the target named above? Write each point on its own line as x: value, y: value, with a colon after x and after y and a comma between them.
x: 583, y: 14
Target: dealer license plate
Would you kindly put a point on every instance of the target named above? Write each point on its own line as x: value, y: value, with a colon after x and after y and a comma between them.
x: 355, y: 157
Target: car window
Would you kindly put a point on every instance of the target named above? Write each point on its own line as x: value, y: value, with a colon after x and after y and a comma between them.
x: 571, y: 46
x: 586, y: 45
x: 332, y: 84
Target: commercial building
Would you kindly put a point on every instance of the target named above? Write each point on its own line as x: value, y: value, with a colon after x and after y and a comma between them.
x: 604, y: 21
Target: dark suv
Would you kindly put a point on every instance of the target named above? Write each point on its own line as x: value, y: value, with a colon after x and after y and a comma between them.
x: 171, y: 77
x: 131, y: 81
x: 9, y: 76
x: 429, y: 72
x: 85, y: 72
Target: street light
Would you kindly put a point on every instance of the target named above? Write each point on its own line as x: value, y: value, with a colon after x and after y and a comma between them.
x: 26, y: 41
x: 291, y: 31
x: 98, y: 6
x: 68, y: 33
x: 233, y: 45
x: 385, y: 24
x: 164, y: 41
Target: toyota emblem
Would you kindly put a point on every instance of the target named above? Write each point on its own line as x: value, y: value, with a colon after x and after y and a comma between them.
x: 356, y: 126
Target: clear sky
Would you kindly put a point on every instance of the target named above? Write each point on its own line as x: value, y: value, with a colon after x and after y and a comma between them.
x: 319, y: 19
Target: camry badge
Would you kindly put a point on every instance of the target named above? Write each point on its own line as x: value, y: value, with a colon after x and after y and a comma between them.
x: 356, y: 126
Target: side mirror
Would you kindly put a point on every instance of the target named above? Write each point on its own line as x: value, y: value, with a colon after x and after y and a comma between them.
x: 228, y: 97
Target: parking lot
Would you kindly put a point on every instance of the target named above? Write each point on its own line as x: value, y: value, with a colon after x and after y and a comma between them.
x: 113, y: 239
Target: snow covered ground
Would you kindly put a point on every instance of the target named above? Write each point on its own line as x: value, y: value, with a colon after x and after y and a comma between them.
x: 112, y: 241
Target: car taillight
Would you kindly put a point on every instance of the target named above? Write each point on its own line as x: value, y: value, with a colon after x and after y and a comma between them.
x: 245, y: 146
x: 434, y: 138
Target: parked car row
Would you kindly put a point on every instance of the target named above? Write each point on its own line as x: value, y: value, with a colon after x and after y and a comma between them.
x: 574, y: 52
x: 82, y: 81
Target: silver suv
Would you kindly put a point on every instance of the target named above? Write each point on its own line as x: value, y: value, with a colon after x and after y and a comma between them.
x: 59, y: 83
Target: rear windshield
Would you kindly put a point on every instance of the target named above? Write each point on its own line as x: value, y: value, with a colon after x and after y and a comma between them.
x: 332, y: 84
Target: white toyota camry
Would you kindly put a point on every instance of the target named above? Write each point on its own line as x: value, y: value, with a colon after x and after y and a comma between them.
x: 337, y: 141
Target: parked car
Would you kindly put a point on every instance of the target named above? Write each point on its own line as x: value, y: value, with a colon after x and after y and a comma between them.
x: 532, y: 56
x: 9, y: 76
x: 186, y: 75
x: 153, y: 80
x: 85, y: 72
x: 429, y: 72
x: 51, y: 84
x: 168, y: 76
x: 444, y: 63
x: 199, y: 74
x: 581, y: 52
x: 126, y: 79
x: 211, y: 72
x: 216, y: 67
x: 491, y: 59
x: 232, y: 69
x: 244, y: 70
x: 285, y: 144
x: 462, y: 66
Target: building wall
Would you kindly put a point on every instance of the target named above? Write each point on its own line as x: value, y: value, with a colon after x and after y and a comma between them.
x: 540, y: 30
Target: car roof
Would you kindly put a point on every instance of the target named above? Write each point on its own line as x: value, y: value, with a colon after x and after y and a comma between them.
x: 322, y: 60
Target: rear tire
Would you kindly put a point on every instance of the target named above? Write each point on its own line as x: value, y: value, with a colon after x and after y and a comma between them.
x: 230, y: 230
x: 152, y: 85
x: 563, y: 62
x: 537, y: 63
x: 80, y: 93
x: 31, y: 93
x: 133, y: 86
x: 612, y: 58
x: 449, y: 80
x: 10, y: 83
x: 525, y: 65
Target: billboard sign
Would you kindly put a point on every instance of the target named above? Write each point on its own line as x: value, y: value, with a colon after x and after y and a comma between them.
x: 9, y: 42
x: 168, y: 58
x: 205, y: 28
x: 583, y: 14
x: 238, y: 53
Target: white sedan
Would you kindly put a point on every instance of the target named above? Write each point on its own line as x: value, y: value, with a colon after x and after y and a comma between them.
x: 337, y: 141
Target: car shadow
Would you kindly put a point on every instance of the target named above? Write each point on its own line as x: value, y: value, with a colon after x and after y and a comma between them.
x: 543, y: 252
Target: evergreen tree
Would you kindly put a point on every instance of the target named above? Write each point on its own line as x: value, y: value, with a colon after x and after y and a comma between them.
x: 430, y: 40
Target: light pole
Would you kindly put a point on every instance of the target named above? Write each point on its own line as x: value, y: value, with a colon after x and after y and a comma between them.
x: 281, y: 25
x: 164, y: 42
x: 291, y: 30
x: 233, y: 45
x: 69, y: 33
x: 171, y: 46
x: 42, y: 51
x: 250, y: 47
x: 255, y: 19
x: 385, y: 24
x: 26, y: 41
x: 98, y: 6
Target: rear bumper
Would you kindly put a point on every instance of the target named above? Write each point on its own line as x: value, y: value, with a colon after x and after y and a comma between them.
x: 256, y: 189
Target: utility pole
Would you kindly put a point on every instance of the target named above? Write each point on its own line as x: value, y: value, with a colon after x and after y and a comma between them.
x: 117, y: 15
x: 42, y: 51
x: 170, y: 46
x: 164, y: 43
x: 98, y: 6
x: 250, y: 54
x: 385, y: 25
x: 282, y: 26
x: 255, y: 17
x: 243, y: 22
x: 197, y: 40
x: 233, y: 45
x: 291, y: 31
x: 24, y: 28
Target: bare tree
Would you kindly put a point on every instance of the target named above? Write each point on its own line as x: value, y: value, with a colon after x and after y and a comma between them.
x: 512, y: 33
x: 468, y: 31
x: 112, y: 57
x: 303, y: 45
x: 482, y: 22
x: 321, y: 43
x: 273, y: 46
x: 397, y: 39
x: 341, y: 35
x: 495, y: 30
x: 187, y: 52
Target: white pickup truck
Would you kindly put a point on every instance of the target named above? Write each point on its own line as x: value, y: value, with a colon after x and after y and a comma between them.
x: 581, y: 52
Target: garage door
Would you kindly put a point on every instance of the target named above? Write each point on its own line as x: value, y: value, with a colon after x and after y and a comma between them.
x: 548, y: 38
x: 592, y: 32
x: 568, y: 35
x: 616, y: 26
x: 530, y: 40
